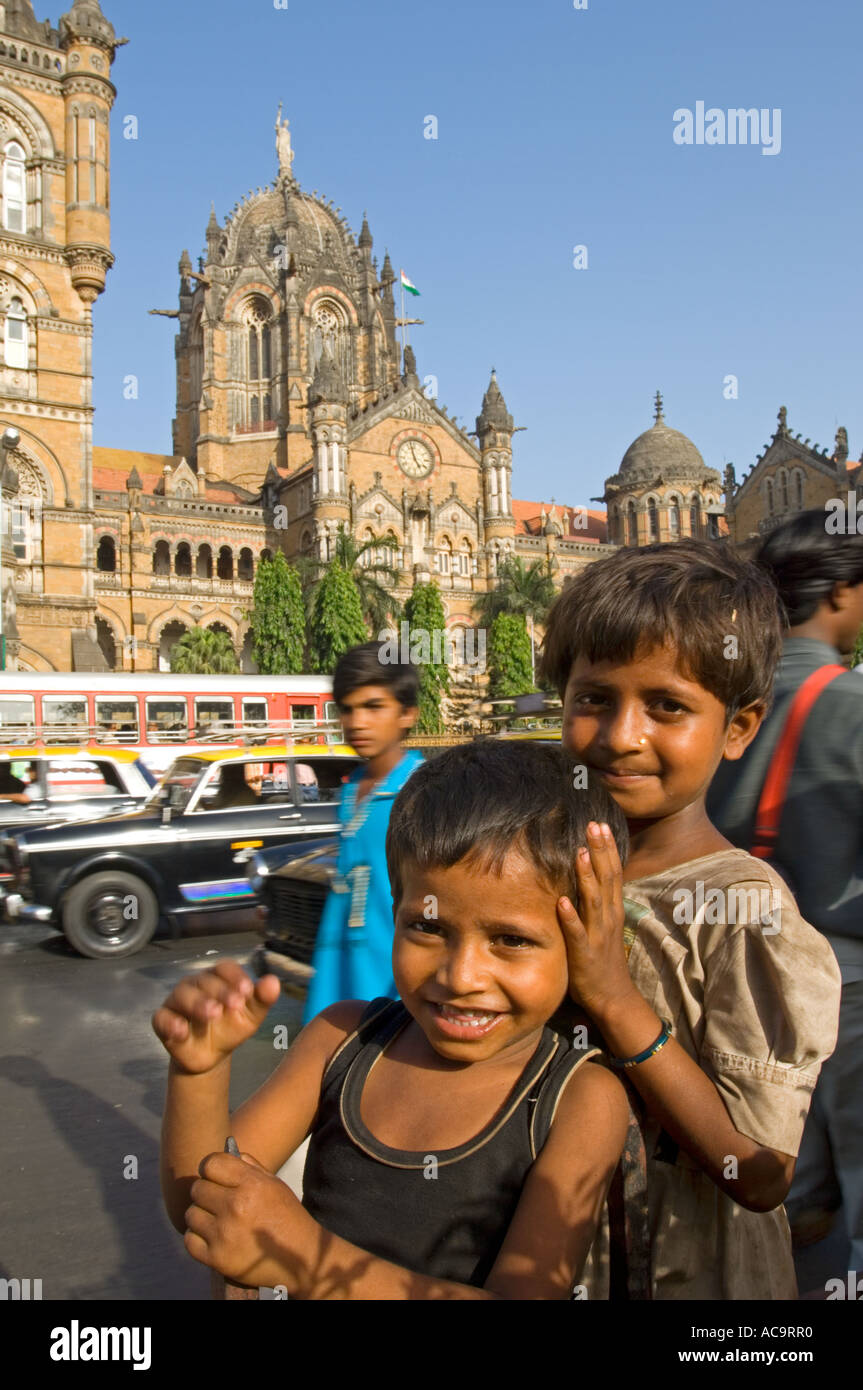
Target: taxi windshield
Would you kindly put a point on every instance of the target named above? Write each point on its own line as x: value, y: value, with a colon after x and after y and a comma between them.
x: 178, y: 783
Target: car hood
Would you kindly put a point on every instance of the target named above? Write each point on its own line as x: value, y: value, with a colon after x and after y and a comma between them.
x: 95, y: 825
x: 316, y: 866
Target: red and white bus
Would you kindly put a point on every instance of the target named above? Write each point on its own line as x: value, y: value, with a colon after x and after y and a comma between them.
x: 162, y: 716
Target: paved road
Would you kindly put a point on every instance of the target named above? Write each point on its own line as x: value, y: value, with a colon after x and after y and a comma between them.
x: 82, y: 1082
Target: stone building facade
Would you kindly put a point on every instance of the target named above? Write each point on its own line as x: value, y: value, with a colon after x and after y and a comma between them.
x: 788, y: 476
x: 298, y: 410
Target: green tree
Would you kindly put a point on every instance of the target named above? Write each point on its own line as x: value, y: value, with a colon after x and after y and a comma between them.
x: 508, y: 657
x: 372, y: 576
x: 203, y: 652
x: 525, y: 590
x: 425, y: 615
x: 336, y: 623
x: 278, y: 618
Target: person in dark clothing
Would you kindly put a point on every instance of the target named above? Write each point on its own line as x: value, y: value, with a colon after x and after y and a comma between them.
x: 820, y: 841
x: 427, y: 1175
x: 11, y: 787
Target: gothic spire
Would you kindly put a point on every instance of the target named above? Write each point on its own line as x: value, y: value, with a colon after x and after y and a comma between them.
x: 494, y: 414
x: 365, y: 238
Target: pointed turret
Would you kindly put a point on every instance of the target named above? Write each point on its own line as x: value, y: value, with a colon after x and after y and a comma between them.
x: 328, y: 384
x: 494, y: 414
x: 214, y: 233
x: 364, y: 241
x: 22, y: 22
x: 85, y: 21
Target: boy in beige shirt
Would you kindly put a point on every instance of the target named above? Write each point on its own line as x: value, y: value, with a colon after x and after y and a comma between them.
x: 718, y: 998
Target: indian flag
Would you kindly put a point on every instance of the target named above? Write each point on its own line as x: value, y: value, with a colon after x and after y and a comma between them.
x: 408, y: 284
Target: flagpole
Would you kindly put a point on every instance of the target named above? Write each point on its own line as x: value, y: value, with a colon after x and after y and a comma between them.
x: 404, y: 325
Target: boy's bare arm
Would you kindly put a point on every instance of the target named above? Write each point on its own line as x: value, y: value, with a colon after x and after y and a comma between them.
x: 559, y: 1211
x: 200, y: 1024
x: 675, y: 1088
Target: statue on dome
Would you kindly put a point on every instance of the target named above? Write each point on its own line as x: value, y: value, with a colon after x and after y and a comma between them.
x: 283, y: 143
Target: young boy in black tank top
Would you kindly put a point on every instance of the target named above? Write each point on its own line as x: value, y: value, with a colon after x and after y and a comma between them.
x: 427, y: 1175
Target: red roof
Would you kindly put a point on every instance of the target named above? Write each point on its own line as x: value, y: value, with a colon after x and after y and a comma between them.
x: 529, y: 520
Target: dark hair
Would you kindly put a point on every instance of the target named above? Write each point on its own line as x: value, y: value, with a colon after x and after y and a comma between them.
x: 805, y: 563
x: 367, y: 665
x: 694, y: 594
x: 490, y: 796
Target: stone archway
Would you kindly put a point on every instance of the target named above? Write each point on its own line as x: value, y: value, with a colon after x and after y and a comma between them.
x: 168, y: 639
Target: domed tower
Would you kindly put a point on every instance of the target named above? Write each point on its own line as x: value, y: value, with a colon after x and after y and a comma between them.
x: 663, y: 490
x: 494, y: 428
x: 285, y: 283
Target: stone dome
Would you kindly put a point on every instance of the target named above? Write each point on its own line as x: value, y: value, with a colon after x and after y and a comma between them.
x: 661, y: 452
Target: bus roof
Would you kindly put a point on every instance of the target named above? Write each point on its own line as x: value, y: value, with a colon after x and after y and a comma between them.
x: 161, y: 682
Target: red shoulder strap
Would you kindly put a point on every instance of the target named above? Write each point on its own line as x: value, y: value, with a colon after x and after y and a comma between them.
x: 769, y: 811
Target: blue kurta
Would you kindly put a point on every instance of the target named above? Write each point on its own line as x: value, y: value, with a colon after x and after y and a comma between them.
x: 353, y: 951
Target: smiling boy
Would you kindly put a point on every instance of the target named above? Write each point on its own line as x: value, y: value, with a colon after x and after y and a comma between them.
x: 664, y: 657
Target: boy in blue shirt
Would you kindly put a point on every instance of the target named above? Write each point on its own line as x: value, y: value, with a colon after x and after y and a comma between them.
x: 377, y: 703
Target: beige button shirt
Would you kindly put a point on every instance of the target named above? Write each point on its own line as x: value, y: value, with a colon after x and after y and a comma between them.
x: 719, y: 950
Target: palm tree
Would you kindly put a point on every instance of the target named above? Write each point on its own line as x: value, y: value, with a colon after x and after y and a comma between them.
x: 204, y: 652
x: 521, y: 590
x: 380, y: 607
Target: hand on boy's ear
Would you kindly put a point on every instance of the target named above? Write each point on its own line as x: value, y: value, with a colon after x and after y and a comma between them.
x: 593, y: 932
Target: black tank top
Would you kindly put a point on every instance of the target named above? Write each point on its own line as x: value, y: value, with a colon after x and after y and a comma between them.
x: 442, y: 1214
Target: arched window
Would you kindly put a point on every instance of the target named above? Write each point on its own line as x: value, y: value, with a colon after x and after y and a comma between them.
x: 798, y: 489
x: 769, y: 492
x: 695, y: 517
x: 674, y: 519
x: 225, y: 563
x: 330, y: 333
x: 183, y: 560
x: 465, y: 560
x: 255, y: 411
x: 266, y: 369
x: 631, y: 525
x: 204, y: 562
x: 107, y: 642
x: 245, y: 564
x: 268, y: 411
x: 652, y: 520
x: 16, y: 337
x: 444, y: 556
x: 253, y: 355
x: 266, y: 555
x: 783, y: 489
x: 14, y: 188
x: 162, y: 558
x: 106, y: 555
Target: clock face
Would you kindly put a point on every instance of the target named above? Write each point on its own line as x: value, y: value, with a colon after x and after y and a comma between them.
x: 415, y: 458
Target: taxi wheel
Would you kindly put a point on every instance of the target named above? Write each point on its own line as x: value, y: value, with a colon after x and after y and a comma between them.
x: 110, y: 914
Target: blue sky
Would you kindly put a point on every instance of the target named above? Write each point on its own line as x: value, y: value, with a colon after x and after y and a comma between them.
x: 555, y: 129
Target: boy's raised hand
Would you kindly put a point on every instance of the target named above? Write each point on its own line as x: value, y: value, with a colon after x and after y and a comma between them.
x: 598, y: 971
x: 209, y: 1014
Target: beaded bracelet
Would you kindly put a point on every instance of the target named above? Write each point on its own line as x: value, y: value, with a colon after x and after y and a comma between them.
x: 626, y: 1062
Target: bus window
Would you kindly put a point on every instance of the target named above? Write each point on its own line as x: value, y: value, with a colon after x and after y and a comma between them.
x: 303, y: 717
x: 65, y: 718
x: 211, y: 714
x: 17, y: 717
x: 167, y: 720
x: 331, y: 711
x: 255, y: 711
x: 117, y: 719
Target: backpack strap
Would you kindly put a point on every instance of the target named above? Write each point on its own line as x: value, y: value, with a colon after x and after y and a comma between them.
x: 769, y: 810
x: 628, y: 1223
x: 380, y: 1016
